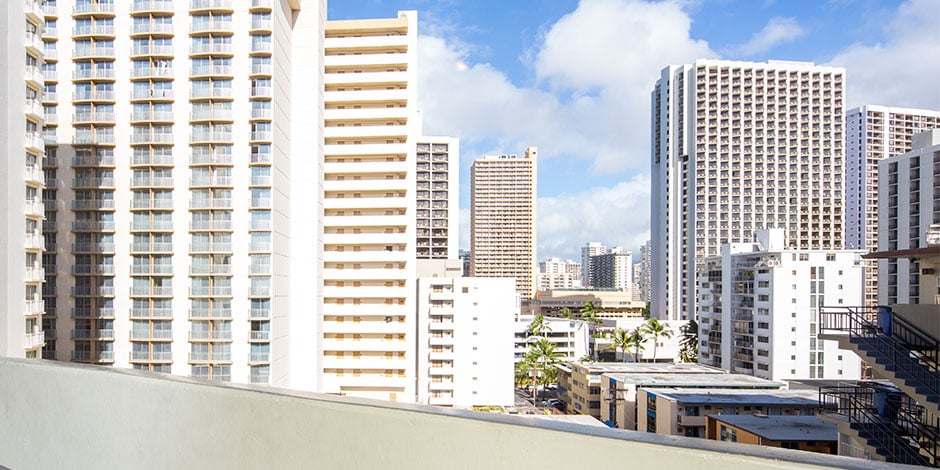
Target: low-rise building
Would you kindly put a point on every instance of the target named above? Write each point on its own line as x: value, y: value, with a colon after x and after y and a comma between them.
x: 683, y: 411
x: 557, y: 274
x: 579, y: 383
x: 807, y: 433
x: 665, y: 350
x: 571, y: 337
x: 619, y: 390
x: 610, y: 303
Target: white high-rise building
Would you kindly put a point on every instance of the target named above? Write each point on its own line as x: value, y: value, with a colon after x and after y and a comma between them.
x: 465, y: 337
x: 370, y: 141
x: 874, y: 133
x: 759, y: 306
x: 438, y: 202
x: 739, y: 147
x: 169, y: 224
x: 587, y: 251
x: 613, y: 270
x: 555, y: 273
x: 21, y: 186
x: 503, y: 192
x: 908, y: 204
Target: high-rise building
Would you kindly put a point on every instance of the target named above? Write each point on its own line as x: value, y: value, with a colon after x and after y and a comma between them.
x: 642, y: 272
x: 21, y: 186
x: 759, y: 307
x: 874, y: 133
x: 370, y: 141
x: 437, y: 164
x: 168, y: 216
x: 503, y: 193
x: 613, y: 270
x: 739, y: 147
x: 557, y: 274
x: 587, y: 251
x: 908, y: 204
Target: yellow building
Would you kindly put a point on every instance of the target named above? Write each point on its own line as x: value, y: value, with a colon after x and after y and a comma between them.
x: 611, y: 303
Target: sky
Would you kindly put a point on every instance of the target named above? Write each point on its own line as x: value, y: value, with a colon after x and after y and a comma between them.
x: 573, y: 78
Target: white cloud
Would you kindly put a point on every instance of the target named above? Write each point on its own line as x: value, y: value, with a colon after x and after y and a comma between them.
x: 903, y: 69
x: 777, y: 31
x: 618, y: 215
x: 592, y: 106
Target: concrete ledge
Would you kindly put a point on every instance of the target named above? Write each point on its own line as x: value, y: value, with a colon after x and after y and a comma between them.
x: 55, y: 415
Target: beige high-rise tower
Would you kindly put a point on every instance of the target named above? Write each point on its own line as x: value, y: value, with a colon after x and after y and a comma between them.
x: 502, y: 218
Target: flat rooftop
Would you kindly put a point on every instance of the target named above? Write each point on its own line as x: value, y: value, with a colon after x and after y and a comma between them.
x: 744, y: 397
x: 699, y: 380
x: 645, y: 368
x: 783, y: 428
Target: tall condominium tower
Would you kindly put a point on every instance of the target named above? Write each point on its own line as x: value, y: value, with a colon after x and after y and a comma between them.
x: 587, y: 251
x: 21, y: 180
x: 874, y: 133
x: 739, y: 147
x: 503, y: 217
x: 613, y: 270
x: 169, y: 228
x: 370, y: 140
x: 642, y: 272
x: 437, y: 164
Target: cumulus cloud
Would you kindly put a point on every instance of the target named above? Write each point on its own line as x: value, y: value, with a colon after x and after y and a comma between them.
x: 616, y: 215
x: 902, y: 69
x: 777, y: 31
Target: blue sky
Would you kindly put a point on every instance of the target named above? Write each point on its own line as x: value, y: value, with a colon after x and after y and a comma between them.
x: 573, y: 77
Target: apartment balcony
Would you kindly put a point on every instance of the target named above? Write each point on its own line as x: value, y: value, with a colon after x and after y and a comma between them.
x: 260, y: 336
x: 214, y: 247
x: 152, y: 6
x: 98, y: 313
x: 147, y: 335
x: 261, y: 4
x: 35, y: 142
x: 152, y: 291
x: 35, y: 208
x: 212, y: 70
x: 93, y: 139
x: 35, y: 340
x: 212, y: 114
x: 35, y: 242
x: 152, y: 182
x: 152, y: 138
x: 34, y: 76
x: 261, y: 92
x: 93, y: 291
x: 214, y: 357
x: 354, y: 256
x: 34, y: 108
x: 90, y: 356
x: 211, y: 225
x: 212, y: 159
x: 152, y: 29
x: 152, y: 269
x: 92, y: 248
x: 261, y: 47
x: 89, y: 269
x: 152, y: 313
x: 35, y: 175
x: 32, y: 275
x: 259, y: 357
x: 214, y: 291
x: 211, y: 137
x: 96, y: 74
x: 97, y: 334
x: 261, y: 69
x: 93, y: 204
x: 94, y: 95
x: 259, y: 313
x: 261, y: 136
x: 215, y: 26
x: 151, y: 356
x: 152, y: 50
x: 152, y: 116
x: 367, y: 238
x: 365, y: 113
x: 213, y: 335
x: 33, y: 10
x: 50, y: 118
x: 215, y: 180
x: 105, y: 9
x: 213, y: 203
x: 197, y: 93
x: 34, y: 307
x: 98, y: 52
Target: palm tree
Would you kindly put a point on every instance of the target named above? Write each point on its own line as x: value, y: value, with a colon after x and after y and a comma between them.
x: 657, y: 329
x: 589, y: 313
x: 622, y: 342
x: 689, y: 342
x: 539, y: 325
x: 541, y: 355
x: 566, y: 313
x: 523, y: 374
x: 636, y: 339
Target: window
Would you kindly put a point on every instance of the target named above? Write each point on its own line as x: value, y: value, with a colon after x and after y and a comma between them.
x: 729, y: 434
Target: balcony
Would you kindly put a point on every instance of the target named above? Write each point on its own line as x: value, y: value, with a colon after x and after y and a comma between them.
x: 213, y: 335
x: 210, y: 356
x: 147, y: 6
x: 35, y: 142
x: 34, y: 307
x: 35, y: 340
x: 96, y: 356
x: 34, y: 75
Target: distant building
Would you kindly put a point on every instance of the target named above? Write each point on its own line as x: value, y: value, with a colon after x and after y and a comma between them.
x: 641, y: 277
x: 807, y: 433
x: 465, y: 337
x: 759, y: 308
x: 874, y: 133
x: 587, y: 251
x: 667, y: 349
x: 571, y: 337
x: 503, y: 191
x: 611, y: 303
x: 437, y: 213
x: 618, y: 390
x: 465, y: 258
x: 739, y: 147
x: 557, y: 274
x: 909, y: 203
x: 682, y: 411
x: 612, y: 270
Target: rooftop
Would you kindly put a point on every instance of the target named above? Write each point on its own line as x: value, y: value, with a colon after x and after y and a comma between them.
x: 696, y: 379
x: 744, y: 397
x: 645, y: 368
x: 783, y: 428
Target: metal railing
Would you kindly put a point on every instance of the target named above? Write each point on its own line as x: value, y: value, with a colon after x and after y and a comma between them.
x: 898, y: 425
x: 914, y: 366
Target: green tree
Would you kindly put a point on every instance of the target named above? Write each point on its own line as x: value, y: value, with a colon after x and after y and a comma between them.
x: 646, y: 311
x: 589, y: 313
x: 523, y: 374
x: 566, y: 313
x: 541, y: 355
x: 539, y: 325
x: 622, y: 342
x: 688, y: 345
x: 658, y: 330
x: 637, y: 338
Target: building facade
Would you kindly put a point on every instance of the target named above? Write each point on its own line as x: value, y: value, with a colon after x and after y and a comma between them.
x: 557, y: 274
x: 587, y: 251
x: 503, y: 192
x: 437, y: 199
x: 571, y: 337
x: 738, y: 147
x: 908, y: 193
x: 874, y: 133
x: 641, y: 277
x: 612, y: 270
x: 21, y: 190
x: 759, y: 307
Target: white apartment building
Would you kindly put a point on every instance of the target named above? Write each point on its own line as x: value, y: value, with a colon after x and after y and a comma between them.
x: 503, y: 192
x: 641, y: 273
x: 739, y: 147
x: 557, y: 274
x: 465, y: 337
x: 759, y: 306
x: 571, y: 337
x: 21, y: 186
x: 170, y: 141
x: 874, y: 133
x: 613, y: 270
x: 908, y: 204
x: 587, y: 251
x: 438, y: 203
